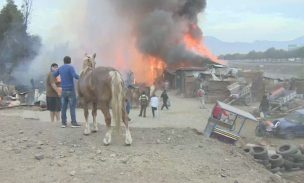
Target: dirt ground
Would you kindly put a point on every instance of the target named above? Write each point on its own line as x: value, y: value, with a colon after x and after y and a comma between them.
x: 165, y: 149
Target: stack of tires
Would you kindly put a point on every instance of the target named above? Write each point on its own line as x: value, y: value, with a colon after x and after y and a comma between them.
x: 260, y: 155
x: 292, y: 156
x: 287, y: 158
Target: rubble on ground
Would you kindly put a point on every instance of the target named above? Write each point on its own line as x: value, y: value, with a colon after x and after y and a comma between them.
x: 13, y: 96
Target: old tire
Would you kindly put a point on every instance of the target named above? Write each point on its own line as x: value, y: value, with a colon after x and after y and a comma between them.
x: 248, y: 150
x: 289, y: 166
x: 287, y: 149
x: 276, y: 160
x: 297, y: 155
x: 260, y: 153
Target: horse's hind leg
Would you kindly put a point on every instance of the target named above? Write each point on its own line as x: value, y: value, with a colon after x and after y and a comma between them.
x: 87, y: 129
x: 128, y: 139
x: 106, y: 112
x: 94, y: 114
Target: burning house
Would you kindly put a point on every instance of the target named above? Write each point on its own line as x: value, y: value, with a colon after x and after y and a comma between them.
x: 145, y: 36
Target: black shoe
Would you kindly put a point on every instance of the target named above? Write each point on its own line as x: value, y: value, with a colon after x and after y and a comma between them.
x: 75, y: 125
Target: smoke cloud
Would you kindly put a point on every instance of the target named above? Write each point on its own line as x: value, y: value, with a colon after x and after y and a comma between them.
x: 125, y: 34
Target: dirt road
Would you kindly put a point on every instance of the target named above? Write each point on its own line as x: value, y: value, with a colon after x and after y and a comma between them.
x: 165, y: 149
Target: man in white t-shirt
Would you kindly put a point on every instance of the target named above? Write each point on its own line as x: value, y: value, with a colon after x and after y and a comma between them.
x: 154, y: 104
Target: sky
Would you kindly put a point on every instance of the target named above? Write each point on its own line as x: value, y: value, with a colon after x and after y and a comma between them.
x: 234, y: 20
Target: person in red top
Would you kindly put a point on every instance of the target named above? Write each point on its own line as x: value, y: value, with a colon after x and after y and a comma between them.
x: 218, y: 112
x: 201, y: 94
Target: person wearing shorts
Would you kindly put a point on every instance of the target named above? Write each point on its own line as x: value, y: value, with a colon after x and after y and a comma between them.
x: 53, y: 92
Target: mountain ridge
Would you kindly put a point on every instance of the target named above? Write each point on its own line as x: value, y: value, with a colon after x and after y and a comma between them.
x: 219, y: 47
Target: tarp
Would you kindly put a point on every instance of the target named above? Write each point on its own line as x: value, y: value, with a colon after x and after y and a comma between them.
x: 237, y: 111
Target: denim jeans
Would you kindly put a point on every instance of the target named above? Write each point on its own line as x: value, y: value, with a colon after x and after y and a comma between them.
x: 68, y: 98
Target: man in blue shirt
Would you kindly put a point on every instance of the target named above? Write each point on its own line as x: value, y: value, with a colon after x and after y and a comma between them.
x: 68, y: 97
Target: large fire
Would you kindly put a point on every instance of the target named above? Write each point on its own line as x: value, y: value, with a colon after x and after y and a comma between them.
x: 197, y: 46
x: 157, y: 68
x: 148, y: 69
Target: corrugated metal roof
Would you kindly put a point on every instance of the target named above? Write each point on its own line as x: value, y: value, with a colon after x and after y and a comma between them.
x: 235, y: 110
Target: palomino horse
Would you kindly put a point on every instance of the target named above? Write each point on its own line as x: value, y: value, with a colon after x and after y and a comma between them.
x: 103, y: 87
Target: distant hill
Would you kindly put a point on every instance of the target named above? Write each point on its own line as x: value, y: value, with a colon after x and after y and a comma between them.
x: 219, y: 47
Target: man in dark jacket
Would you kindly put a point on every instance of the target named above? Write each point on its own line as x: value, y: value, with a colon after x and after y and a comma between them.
x: 68, y: 97
x: 264, y: 106
x: 144, y: 100
x: 165, y: 98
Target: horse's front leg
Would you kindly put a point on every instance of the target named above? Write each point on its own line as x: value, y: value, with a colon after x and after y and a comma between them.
x: 128, y: 139
x: 94, y: 114
x: 106, y: 112
x: 87, y: 129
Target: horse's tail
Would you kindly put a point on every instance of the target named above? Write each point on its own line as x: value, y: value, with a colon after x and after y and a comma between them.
x: 117, y: 97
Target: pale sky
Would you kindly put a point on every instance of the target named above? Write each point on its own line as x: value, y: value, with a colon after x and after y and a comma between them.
x: 249, y: 20
x: 234, y: 20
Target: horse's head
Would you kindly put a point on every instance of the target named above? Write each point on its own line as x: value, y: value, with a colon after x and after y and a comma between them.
x: 88, y: 62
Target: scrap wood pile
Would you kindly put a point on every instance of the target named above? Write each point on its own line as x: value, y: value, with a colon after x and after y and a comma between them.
x: 282, y: 99
x: 8, y: 96
x: 286, y: 158
x: 217, y: 90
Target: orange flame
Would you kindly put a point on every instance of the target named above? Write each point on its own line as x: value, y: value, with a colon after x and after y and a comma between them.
x: 146, y: 69
x: 198, y: 47
x: 157, y: 67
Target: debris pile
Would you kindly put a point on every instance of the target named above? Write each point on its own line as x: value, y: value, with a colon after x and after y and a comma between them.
x: 14, y: 96
x: 282, y: 99
x: 286, y: 157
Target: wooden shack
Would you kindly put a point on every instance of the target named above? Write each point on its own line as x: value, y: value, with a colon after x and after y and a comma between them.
x: 187, y: 80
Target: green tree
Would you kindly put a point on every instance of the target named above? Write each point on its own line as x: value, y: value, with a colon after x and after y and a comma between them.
x: 270, y: 53
x: 16, y: 45
x: 10, y: 17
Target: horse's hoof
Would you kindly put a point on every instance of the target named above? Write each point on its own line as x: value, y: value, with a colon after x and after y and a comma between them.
x: 128, y: 142
x: 86, y: 133
x: 106, y: 142
x: 94, y: 131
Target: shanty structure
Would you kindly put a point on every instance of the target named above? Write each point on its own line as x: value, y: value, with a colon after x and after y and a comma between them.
x: 188, y: 79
